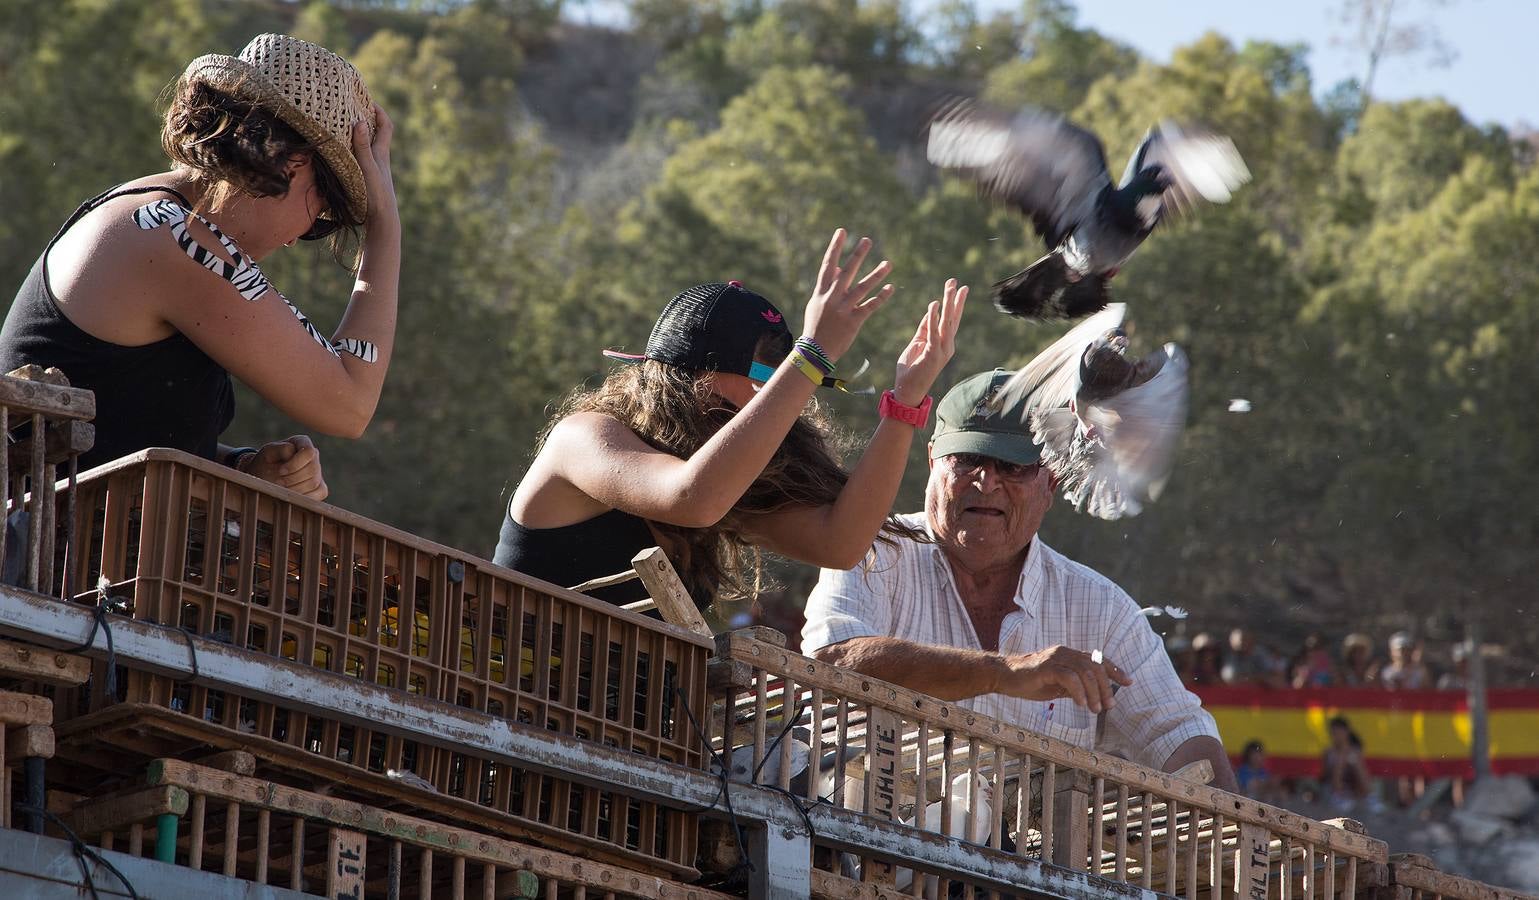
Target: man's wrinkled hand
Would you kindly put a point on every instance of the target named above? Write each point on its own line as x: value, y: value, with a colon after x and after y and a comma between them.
x: 1059, y: 672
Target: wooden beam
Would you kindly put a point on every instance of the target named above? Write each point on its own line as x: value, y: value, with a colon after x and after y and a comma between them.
x: 24, y: 396
x: 236, y: 762
x: 1418, y: 872
x: 136, y: 807
x: 23, y: 741
x: 668, y: 590
x: 41, y: 664
x: 25, y: 709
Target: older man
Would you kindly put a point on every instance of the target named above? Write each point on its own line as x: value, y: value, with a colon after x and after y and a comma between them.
x: 990, y: 616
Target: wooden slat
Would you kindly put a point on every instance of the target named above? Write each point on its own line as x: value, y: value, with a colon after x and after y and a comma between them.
x: 41, y: 664
x: 345, y: 864
x: 24, y: 741
x: 28, y: 396
x: 665, y: 586
x: 117, y: 813
x: 866, y: 690
x: 1252, y: 862
x: 465, y: 844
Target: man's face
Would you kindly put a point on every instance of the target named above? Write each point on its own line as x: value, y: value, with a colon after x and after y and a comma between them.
x: 979, y: 504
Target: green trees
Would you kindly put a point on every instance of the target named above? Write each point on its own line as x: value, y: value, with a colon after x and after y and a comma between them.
x: 1372, y: 292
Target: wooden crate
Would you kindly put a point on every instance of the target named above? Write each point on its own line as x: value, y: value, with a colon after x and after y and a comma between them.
x: 187, y: 543
x: 895, y: 754
x: 223, y: 822
x: 46, y: 426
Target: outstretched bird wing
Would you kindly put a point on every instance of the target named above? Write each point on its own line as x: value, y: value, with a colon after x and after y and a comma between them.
x: 1036, y: 160
x: 1052, y: 377
x: 1200, y: 164
x: 1137, y: 433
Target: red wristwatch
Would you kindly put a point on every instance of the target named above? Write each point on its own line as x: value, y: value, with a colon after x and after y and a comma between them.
x: 916, y: 416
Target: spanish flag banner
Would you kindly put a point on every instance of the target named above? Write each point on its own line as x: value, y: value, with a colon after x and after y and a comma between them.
x: 1403, y: 732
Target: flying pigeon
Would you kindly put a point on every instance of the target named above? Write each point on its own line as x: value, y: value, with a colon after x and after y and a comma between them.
x: 1108, y: 423
x: 1055, y: 172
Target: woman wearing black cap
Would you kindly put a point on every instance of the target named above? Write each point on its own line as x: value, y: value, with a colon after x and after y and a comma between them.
x: 150, y: 294
x: 708, y: 449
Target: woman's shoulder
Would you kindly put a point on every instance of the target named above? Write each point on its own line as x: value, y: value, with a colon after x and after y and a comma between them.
x: 591, y: 430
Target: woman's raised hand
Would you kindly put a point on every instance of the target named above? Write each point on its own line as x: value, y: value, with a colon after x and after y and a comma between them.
x: 374, y: 159
x: 840, y: 304
x: 934, y: 342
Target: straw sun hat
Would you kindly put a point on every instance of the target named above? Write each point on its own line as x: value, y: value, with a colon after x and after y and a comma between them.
x: 315, y: 91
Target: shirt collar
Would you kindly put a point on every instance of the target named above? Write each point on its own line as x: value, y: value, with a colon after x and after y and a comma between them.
x: 1028, y: 590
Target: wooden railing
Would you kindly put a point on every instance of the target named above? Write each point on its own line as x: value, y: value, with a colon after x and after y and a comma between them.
x: 46, y: 426
x: 219, y: 821
x: 895, y: 754
x: 183, y: 542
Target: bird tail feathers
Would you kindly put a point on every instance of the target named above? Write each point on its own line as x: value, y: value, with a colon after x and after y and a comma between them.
x: 1043, y: 290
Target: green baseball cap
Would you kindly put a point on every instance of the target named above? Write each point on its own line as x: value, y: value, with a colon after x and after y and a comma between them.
x: 965, y: 423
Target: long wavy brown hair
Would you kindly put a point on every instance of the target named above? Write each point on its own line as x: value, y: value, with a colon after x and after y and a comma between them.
x: 673, y: 410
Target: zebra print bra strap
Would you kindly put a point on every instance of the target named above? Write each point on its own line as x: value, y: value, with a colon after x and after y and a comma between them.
x: 243, y: 274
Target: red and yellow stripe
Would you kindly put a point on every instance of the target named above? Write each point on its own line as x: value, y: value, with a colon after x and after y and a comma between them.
x: 1403, y: 732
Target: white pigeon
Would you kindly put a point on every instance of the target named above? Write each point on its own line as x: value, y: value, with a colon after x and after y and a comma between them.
x: 959, y: 798
x: 1108, y: 424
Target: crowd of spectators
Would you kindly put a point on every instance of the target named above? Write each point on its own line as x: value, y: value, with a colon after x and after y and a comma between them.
x: 1343, y: 781
x: 1203, y: 660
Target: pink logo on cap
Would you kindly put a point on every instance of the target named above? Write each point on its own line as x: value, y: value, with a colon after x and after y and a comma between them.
x: 772, y: 317
x: 735, y: 283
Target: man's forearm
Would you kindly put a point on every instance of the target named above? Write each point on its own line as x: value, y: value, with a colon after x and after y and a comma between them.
x: 946, y: 673
x: 1208, y: 748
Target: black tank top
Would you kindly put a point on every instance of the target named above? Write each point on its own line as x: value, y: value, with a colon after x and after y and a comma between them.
x: 572, y: 554
x: 165, y: 394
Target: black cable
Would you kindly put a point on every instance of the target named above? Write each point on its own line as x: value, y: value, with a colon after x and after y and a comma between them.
x: 723, y: 792
x: 784, y: 730
x: 99, y: 621
x: 83, y: 852
x: 192, y: 652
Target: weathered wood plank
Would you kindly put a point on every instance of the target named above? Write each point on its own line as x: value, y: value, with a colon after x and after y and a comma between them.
x: 22, y: 395
x: 118, y: 812
x: 25, y: 709
x: 668, y: 590
x: 23, y: 741
x: 41, y: 664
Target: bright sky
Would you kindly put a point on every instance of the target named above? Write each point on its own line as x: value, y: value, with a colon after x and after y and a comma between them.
x: 1491, y: 38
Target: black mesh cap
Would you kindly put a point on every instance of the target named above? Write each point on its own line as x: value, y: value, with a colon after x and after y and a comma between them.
x: 715, y: 327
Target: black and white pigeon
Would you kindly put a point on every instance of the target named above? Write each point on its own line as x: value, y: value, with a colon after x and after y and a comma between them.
x: 1055, y: 172
x: 1108, y: 423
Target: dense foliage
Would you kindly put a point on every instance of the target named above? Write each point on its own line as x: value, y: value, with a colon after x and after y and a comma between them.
x: 1374, y: 292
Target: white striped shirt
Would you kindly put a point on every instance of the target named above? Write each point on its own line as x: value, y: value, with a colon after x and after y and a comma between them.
x: 909, y: 593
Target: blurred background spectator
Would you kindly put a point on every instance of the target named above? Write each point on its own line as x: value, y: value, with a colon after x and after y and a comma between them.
x: 1255, y: 781
x: 1312, y: 666
x: 1405, y: 670
x: 1358, y: 666
x: 1207, y: 660
x: 1457, y: 678
x: 1250, y: 662
x: 1344, y: 772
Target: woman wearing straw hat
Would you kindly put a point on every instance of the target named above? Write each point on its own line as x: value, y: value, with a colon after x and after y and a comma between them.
x: 707, y: 446
x: 150, y: 294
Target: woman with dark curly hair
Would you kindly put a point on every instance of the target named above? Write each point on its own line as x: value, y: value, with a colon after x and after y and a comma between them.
x: 150, y: 294
x: 707, y: 446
